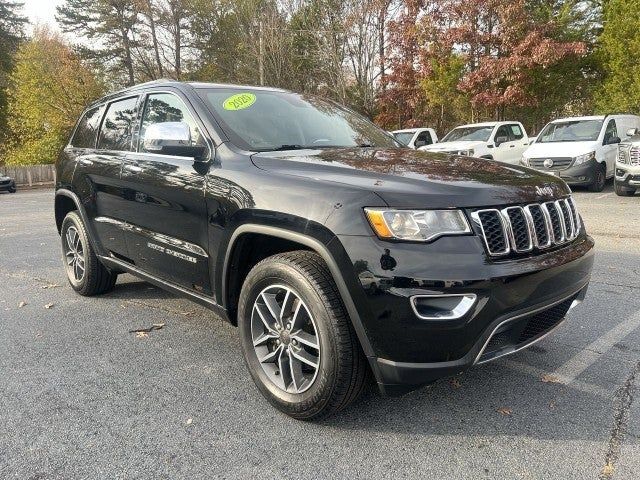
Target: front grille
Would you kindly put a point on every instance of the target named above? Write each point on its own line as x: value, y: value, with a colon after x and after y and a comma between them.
x: 519, y: 229
x: 544, y: 321
x: 557, y: 163
x: 629, y: 155
x: 5, y: 182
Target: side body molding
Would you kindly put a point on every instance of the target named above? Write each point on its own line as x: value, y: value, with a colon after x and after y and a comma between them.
x: 320, y: 249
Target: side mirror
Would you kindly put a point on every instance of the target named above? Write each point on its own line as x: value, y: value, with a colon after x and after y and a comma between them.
x: 631, y: 132
x: 502, y: 139
x: 171, y: 138
x: 613, y: 140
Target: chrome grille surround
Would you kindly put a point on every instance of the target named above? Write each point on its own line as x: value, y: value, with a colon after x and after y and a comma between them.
x: 521, y: 229
x: 629, y: 154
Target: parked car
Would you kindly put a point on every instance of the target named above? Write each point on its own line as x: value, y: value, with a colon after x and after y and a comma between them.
x: 337, y: 253
x: 7, y: 184
x: 501, y: 141
x: 580, y: 150
x: 416, y: 137
x: 627, y: 178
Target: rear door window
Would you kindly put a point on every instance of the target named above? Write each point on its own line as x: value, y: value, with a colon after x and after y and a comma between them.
x: 87, y: 129
x: 115, y: 133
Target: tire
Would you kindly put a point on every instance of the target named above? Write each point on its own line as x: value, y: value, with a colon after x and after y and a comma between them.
x: 342, y: 369
x: 624, y: 191
x: 12, y: 189
x: 85, y: 273
x: 600, y: 179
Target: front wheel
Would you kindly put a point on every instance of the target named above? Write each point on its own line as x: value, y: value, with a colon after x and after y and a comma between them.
x: 296, y: 338
x: 85, y: 273
x: 12, y: 189
x: 600, y: 179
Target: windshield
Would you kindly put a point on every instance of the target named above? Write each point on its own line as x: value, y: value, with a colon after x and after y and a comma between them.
x: 573, y: 131
x: 403, y: 137
x: 465, y: 134
x: 263, y: 120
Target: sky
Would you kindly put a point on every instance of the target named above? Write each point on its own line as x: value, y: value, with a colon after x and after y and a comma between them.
x: 41, y: 11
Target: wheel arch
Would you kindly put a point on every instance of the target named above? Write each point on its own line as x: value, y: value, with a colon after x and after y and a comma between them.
x: 66, y: 201
x: 296, y: 241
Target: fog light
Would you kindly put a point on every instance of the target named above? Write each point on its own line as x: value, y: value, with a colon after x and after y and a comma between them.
x: 442, y: 307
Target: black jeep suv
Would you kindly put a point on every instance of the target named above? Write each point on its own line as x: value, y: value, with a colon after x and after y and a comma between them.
x: 337, y: 252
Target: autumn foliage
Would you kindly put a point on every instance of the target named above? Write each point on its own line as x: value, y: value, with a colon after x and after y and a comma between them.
x: 482, y: 55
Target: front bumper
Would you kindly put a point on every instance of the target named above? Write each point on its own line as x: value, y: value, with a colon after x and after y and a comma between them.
x: 8, y: 186
x: 409, y: 351
x: 579, y: 175
x: 627, y: 176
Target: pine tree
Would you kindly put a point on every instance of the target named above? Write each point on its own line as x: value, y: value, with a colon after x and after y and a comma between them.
x: 11, y: 33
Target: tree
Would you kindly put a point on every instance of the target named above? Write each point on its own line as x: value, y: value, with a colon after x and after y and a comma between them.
x: 49, y: 88
x: 620, y: 55
x: 110, y: 26
x: 11, y: 33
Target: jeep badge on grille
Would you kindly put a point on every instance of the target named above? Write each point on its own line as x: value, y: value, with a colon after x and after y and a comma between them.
x: 541, y: 191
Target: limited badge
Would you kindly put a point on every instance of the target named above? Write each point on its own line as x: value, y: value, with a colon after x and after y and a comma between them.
x: 239, y: 101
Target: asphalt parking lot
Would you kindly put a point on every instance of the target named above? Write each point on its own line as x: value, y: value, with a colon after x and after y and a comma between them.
x: 81, y: 397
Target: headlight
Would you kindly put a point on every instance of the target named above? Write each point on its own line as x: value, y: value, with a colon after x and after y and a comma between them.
x: 416, y: 225
x: 525, y: 161
x: 580, y: 159
x: 467, y: 153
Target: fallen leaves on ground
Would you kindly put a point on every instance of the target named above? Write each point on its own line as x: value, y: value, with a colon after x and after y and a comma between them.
x: 142, y: 334
x: 504, y: 411
x: 455, y: 383
x: 607, y: 470
x: 189, y: 421
x: 22, y: 304
x: 48, y: 306
x: 50, y: 285
x: 548, y: 378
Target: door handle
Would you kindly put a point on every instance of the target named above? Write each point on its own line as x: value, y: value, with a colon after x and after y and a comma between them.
x: 133, y: 168
x: 511, y: 146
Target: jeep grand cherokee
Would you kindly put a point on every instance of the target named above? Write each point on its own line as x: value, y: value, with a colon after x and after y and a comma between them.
x: 338, y: 253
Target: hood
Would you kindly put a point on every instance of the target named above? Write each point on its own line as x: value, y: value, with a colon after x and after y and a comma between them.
x: 408, y: 178
x: 452, y: 146
x: 560, y: 149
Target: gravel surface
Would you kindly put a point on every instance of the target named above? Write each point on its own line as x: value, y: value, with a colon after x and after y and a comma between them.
x: 83, y: 398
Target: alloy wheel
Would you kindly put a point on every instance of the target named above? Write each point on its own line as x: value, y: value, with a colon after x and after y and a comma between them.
x: 74, y: 254
x: 285, y: 339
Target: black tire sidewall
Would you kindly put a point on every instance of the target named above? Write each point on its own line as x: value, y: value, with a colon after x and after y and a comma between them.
x: 312, y: 400
x: 600, y: 179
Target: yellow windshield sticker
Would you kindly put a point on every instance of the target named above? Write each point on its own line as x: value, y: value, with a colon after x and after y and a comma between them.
x: 239, y: 101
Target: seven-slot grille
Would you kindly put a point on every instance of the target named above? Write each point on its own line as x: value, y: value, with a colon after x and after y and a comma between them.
x: 521, y: 229
x: 629, y: 155
x: 559, y: 163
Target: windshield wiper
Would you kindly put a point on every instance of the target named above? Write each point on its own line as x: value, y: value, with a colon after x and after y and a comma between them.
x: 287, y: 147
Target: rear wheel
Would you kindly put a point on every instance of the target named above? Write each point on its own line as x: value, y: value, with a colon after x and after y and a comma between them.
x: 600, y: 179
x: 623, y: 191
x: 297, y: 340
x: 85, y: 273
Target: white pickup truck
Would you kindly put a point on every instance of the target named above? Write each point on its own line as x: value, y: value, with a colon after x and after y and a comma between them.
x: 501, y: 141
x: 416, y: 137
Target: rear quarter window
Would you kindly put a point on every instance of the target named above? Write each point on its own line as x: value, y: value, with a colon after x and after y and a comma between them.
x: 87, y: 130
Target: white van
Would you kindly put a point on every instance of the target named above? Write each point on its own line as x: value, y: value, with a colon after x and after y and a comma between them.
x: 416, y: 137
x: 501, y: 141
x: 580, y: 150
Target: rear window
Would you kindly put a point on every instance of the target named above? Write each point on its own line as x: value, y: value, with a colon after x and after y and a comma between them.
x: 87, y: 129
x: 115, y: 133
